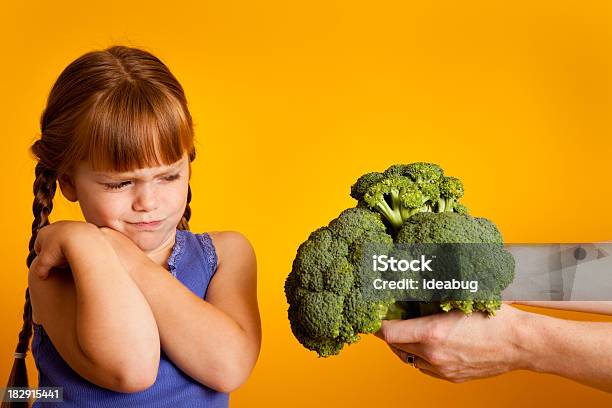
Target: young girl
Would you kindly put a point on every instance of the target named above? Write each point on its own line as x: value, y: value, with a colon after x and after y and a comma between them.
x: 130, y: 307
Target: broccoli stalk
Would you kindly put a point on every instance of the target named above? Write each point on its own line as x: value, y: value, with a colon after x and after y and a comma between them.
x: 391, y: 209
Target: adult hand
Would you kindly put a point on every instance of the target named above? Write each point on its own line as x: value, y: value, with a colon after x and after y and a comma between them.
x: 457, y: 348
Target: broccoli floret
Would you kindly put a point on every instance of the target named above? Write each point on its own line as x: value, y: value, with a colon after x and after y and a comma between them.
x: 386, y: 196
x: 434, y: 228
x: 407, y: 189
x: 420, y: 173
x: 327, y: 304
x: 460, y: 208
x: 397, y: 198
x: 361, y: 186
x: 451, y: 190
x: 488, y: 263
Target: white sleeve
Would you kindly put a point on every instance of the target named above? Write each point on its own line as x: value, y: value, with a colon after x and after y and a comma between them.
x: 591, y: 275
x: 534, y: 276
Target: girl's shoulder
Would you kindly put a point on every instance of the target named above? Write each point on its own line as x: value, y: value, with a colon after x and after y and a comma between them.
x: 231, y: 244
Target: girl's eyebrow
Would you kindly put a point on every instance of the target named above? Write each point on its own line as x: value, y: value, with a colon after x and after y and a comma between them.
x: 169, y: 170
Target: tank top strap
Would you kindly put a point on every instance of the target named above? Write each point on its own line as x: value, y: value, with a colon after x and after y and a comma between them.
x: 193, y: 260
x: 209, y: 250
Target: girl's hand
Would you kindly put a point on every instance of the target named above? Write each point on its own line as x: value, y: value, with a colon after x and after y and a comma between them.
x: 51, y: 244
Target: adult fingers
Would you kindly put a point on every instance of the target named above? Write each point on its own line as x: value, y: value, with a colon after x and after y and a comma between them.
x: 418, y: 361
x: 403, y: 331
x: 412, y: 348
x: 401, y: 354
x: 423, y: 364
x: 431, y: 373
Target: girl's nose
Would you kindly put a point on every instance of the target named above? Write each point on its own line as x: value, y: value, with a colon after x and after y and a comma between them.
x: 146, y: 198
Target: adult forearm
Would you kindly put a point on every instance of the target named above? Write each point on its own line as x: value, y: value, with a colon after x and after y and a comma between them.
x: 600, y: 307
x: 115, y: 326
x: 580, y: 351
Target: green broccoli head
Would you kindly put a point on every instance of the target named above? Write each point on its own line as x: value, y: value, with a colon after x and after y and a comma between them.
x: 327, y: 290
x: 449, y: 227
x: 327, y: 306
x: 407, y: 189
x: 488, y: 263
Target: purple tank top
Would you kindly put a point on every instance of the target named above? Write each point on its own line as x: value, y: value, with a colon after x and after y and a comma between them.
x: 193, y: 262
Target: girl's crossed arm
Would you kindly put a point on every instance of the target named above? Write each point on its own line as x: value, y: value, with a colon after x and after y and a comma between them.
x: 96, y: 317
x: 215, y: 341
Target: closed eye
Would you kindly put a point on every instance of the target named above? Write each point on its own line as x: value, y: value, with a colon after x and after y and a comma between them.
x: 117, y: 186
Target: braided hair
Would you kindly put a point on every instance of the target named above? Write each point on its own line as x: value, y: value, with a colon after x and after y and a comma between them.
x: 184, y: 223
x: 119, y: 109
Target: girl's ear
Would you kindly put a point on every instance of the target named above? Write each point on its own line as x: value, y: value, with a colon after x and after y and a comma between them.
x: 67, y: 186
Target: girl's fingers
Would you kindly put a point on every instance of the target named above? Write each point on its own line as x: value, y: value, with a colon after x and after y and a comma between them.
x: 40, y: 238
x: 39, y: 269
x: 34, y: 266
x: 43, y: 273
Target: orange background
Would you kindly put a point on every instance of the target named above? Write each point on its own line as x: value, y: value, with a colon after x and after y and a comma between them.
x: 293, y: 101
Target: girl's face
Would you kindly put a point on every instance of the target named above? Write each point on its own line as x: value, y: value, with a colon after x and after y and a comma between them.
x: 122, y: 201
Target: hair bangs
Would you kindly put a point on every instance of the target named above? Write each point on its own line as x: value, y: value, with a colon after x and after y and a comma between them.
x: 135, y: 126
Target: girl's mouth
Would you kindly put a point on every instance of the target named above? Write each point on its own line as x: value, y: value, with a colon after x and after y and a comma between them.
x: 146, y: 225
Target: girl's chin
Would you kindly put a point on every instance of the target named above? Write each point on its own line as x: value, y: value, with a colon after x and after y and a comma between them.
x: 148, y: 242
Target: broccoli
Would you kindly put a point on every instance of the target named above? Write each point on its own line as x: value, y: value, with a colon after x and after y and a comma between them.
x: 329, y: 303
x: 327, y: 307
x: 490, y: 264
x: 451, y: 190
x: 407, y: 189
